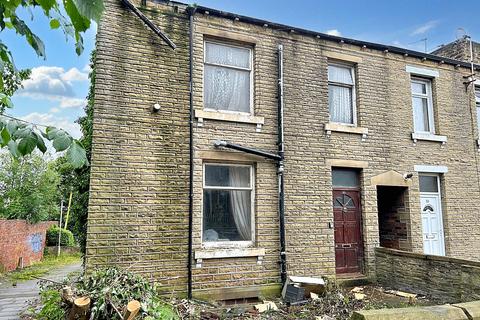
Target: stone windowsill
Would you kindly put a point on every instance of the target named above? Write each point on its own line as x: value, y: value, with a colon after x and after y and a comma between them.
x: 219, y: 253
x: 428, y: 137
x: 227, y: 116
x: 338, y: 127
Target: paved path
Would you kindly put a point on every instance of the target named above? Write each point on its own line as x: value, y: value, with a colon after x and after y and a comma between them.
x: 14, y: 300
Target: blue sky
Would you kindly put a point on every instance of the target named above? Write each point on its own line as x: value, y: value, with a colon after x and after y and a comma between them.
x: 55, y: 94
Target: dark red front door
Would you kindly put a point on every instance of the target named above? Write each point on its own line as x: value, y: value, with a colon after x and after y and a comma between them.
x: 348, y: 235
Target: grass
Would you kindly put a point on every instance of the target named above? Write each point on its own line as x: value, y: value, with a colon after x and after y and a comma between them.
x: 40, y: 268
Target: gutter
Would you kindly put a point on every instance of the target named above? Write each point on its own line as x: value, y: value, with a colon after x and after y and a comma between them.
x: 191, y: 13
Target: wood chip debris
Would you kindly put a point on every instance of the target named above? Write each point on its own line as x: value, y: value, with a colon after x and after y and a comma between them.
x: 402, y: 294
x: 266, y: 306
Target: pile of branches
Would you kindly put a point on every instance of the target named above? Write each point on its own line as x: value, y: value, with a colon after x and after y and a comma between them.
x: 111, y: 294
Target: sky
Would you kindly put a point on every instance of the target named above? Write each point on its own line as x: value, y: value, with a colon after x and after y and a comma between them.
x: 55, y: 93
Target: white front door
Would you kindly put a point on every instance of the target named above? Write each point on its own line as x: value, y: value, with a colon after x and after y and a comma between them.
x: 431, y: 210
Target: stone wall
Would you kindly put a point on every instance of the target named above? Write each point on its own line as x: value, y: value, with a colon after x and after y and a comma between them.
x: 446, y: 279
x: 138, y: 211
x: 21, y: 243
x: 460, y: 50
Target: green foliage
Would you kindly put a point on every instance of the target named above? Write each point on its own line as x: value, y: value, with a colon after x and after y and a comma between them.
x: 28, y: 189
x: 22, y: 139
x: 12, y: 81
x: 115, y: 286
x: 77, y: 180
x: 52, y: 305
x: 66, y: 239
x: 77, y: 20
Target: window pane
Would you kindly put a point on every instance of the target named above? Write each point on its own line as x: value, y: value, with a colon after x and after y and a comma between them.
x: 428, y: 183
x: 478, y: 117
x: 345, y: 178
x: 232, y: 56
x: 477, y: 94
x: 420, y: 88
x: 420, y: 113
x: 340, y: 74
x: 340, y: 104
x: 227, y: 215
x: 227, y: 89
x: 227, y: 176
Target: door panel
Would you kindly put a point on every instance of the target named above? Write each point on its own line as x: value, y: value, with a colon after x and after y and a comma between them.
x: 430, y: 206
x: 348, y: 235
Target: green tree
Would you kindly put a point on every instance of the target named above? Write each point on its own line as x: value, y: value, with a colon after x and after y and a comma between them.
x: 28, y: 188
x: 77, y: 180
x: 73, y: 17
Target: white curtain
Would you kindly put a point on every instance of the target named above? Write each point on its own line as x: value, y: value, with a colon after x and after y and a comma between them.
x: 240, y: 203
x: 420, y: 113
x: 340, y: 104
x: 227, y: 88
x: 340, y: 96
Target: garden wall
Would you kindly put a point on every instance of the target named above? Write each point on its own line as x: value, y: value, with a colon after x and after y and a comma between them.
x: 21, y: 243
x: 447, y: 279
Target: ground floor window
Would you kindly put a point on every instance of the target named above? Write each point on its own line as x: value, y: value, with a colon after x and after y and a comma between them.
x: 228, y: 194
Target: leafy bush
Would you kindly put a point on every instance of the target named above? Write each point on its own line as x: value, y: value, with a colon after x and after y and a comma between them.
x: 52, y: 305
x: 66, y: 240
x: 113, y: 286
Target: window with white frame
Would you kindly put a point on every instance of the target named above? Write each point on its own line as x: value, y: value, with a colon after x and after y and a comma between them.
x: 422, y: 103
x: 227, y: 77
x: 228, y: 198
x: 477, y: 100
x: 341, y: 93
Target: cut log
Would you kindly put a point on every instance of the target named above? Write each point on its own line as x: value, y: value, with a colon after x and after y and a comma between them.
x: 67, y: 295
x: 80, y: 309
x: 133, y: 307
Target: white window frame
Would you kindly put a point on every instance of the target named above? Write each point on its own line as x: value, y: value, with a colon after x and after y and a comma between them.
x: 353, y: 87
x: 226, y: 44
x: 428, y: 95
x: 231, y: 244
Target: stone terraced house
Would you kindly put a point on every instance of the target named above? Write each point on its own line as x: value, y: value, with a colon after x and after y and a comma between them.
x: 255, y: 150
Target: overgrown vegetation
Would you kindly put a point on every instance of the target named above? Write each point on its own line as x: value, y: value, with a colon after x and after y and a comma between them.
x: 39, y: 269
x: 109, y: 291
x: 28, y: 189
x: 66, y: 238
x: 77, y: 180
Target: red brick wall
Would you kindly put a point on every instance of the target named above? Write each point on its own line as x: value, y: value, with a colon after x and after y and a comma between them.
x: 20, y: 239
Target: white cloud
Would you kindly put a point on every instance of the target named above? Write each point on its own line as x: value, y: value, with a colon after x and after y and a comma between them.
x: 334, y: 32
x: 48, y: 119
x: 54, y: 83
x: 54, y: 110
x: 87, y: 68
x: 74, y: 75
x: 424, y: 28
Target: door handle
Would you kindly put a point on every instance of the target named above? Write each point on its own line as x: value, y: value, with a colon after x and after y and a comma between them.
x: 427, y: 236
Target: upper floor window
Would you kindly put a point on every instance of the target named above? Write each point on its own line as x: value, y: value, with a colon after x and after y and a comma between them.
x: 228, y: 195
x: 477, y: 100
x: 227, y: 77
x: 341, y: 94
x: 422, y: 105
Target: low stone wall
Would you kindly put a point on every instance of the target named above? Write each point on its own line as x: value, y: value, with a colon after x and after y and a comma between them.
x: 21, y: 243
x: 447, y: 279
x: 52, y: 250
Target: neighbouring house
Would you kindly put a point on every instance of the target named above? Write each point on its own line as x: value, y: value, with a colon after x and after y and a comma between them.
x: 256, y: 150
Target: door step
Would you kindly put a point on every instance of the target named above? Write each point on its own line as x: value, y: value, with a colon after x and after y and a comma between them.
x: 352, y: 280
